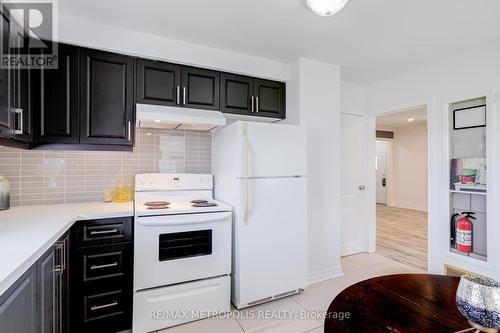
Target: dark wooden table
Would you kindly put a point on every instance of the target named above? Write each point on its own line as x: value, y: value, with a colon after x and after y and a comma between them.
x: 398, y: 303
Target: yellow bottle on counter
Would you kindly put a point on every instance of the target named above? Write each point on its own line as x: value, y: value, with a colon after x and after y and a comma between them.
x: 122, y: 194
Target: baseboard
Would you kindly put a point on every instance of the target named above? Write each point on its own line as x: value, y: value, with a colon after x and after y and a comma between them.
x: 326, y: 274
x: 422, y: 208
x: 351, y: 248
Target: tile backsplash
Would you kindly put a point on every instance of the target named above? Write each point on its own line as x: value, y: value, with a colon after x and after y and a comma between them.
x: 48, y: 176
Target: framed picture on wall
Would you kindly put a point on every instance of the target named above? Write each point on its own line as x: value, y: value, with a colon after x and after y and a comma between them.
x: 469, y: 117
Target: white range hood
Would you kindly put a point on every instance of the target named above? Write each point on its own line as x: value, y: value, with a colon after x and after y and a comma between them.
x: 170, y: 117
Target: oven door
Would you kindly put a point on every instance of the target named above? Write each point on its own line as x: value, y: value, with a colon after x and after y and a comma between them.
x: 179, y: 248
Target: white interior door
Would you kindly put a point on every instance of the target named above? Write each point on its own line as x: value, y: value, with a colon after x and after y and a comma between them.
x: 353, y: 178
x: 382, y: 150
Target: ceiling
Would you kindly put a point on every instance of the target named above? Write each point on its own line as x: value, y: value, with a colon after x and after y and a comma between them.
x: 370, y: 39
x: 399, y: 119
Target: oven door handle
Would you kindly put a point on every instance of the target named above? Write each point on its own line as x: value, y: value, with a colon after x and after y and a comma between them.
x: 186, y: 219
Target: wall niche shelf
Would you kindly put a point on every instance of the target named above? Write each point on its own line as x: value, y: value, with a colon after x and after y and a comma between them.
x: 467, y: 186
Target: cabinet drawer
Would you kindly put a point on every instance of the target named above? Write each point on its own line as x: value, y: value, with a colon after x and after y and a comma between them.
x: 104, y: 262
x: 106, y: 312
x: 105, y: 231
x: 98, y: 306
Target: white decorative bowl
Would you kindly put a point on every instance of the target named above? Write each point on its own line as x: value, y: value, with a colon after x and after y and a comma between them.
x: 478, y: 299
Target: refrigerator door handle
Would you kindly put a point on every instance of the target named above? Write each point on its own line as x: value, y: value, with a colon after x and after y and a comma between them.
x: 245, y: 173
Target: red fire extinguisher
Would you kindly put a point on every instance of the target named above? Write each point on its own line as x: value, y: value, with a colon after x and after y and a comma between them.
x: 461, y: 233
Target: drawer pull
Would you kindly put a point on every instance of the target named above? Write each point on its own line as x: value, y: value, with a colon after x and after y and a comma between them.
x: 98, y: 307
x: 104, y: 266
x: 103, y: 232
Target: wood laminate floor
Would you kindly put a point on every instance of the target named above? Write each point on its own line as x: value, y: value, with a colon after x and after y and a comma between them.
x: 402, y: 235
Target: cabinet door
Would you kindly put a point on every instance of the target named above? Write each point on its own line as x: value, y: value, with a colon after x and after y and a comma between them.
x: 6, y: 121
x: 53, y: 288
x: 62, y: 285
x: 200, y: 88
x: 18, y: 305
x: 20, y: 97
x: 55, y: 94
x: 158, y: 83
x: 48, y: 292
x: 107, y: 98
x: 270, y: 98
x: 19, y: 91
x: 236, y: 94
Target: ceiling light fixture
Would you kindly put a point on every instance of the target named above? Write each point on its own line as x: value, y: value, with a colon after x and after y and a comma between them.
x: 326, y: 7
x: 410, y: 120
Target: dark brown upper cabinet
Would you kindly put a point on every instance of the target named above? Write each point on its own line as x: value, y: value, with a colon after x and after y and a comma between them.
x: 55, y: 99
x: 200, y: 88
x: 253, y: 97
x: 15, y: 112
x: 20, y: 105
x: 6, y: 124
x: 158, y: 83
x: 270, y: 98
x: 236, y: 94
x: 107, y: 98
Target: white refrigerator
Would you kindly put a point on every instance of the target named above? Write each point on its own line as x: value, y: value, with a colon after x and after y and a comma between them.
x: 260, y: 169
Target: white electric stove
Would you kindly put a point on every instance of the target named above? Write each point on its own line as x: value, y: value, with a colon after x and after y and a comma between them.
x: 182, y: 251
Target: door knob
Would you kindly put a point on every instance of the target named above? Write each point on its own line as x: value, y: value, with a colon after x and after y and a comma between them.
x: 362, y: 187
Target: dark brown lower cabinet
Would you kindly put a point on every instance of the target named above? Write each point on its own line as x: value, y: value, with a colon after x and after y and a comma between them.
x: 38, y: 301
x: 101, y: 276
x: 52, y: 271
x: 18, y: 305
x: 76, y: 286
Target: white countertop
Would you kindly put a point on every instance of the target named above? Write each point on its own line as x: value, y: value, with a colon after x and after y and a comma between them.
x: 26, y: 233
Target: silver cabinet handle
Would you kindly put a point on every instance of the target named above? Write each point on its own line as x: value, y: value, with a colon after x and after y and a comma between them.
x: 19, y: 114
x: 59, y: 304
x: 98, y: 307
x: 63, y: 255
x: 129, y: 135
x: 178, y: 100
x: 102, y: 232
x: 104, y: 266
x: 253, y: 98
x: 59, y: 256
x: 362, y: 187
x: 256, y: 104
x: 184, y: 95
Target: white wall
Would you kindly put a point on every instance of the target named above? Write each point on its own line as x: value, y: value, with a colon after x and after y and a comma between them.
x: 353, y: 98
x: 409, y: 167
x: 316, y: 91
x: 471, y: 75
x: 91, y: 34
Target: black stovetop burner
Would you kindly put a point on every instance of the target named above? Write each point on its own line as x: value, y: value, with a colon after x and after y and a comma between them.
x: 199, y: 201
x: 157, y: 204
x: 203, y: 203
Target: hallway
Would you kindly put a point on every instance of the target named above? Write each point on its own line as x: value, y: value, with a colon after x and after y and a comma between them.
x: 402, y: 235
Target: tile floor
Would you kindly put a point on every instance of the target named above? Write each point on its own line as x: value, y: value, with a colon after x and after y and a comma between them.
x: 317, y: 297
